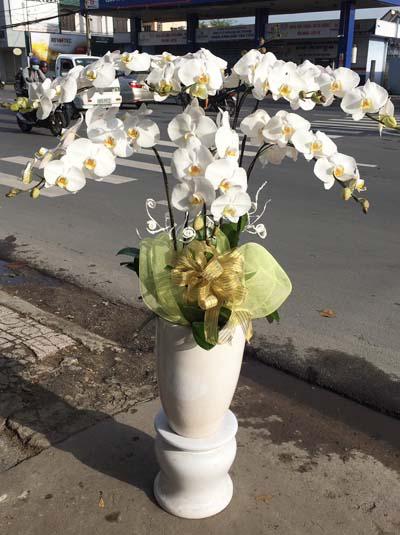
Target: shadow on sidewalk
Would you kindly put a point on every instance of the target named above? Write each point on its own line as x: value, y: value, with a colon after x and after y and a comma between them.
x: 115, y: 449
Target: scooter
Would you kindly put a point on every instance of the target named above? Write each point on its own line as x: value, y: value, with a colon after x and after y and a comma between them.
x: 225, y: 100
x: 55, y: 122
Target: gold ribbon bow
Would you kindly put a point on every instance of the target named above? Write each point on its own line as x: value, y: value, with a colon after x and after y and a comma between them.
x: 211, y: 281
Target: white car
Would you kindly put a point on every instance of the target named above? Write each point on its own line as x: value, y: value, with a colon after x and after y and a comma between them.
x: 108, y: 96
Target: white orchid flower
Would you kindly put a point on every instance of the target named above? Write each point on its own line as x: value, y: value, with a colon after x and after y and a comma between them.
x: 312, y: 145
x: 42, y: 94
x: 98, y: 112
x: 261, y: 75
x: 110, y: 132
x: 164, y: 82
x: 307, y: 73
x: 225, y: 174
x: 100, y: 73
x: 65, y: 88
x: 160, y: 60
x: 132, y: 61
x: 191, y: 195
x: 339, y: 166
x: 336, y: 83
x: 285, y: 82
x: 283, y: 126
x: 201, y: 77
x: 63, y: 174
x: 205, y: 54
x: 191, y: 162
x: 226, y: 139
x: 253, y: 126
x: 275, y: 155
x: 369, y: 98
x: 141, y: 131
x: 246, y: 66
x: 232, y: 205
x: 96, y: 160
x: 192, y: 124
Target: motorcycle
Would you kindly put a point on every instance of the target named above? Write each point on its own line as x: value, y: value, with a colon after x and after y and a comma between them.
x: 225, y: 100
x: 55, y: 122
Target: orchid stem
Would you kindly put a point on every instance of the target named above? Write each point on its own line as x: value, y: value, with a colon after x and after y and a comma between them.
x: 205, y: 222
x: 167, y: 193
x: 239, y: 107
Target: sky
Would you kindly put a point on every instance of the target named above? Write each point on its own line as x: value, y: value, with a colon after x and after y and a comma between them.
x: 360, y: 14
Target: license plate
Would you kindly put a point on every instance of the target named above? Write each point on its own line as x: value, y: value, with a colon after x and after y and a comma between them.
x: 103, y: 101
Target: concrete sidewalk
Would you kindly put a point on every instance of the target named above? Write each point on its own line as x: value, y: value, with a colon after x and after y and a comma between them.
x: 308, y: 463
x: 76, y: 442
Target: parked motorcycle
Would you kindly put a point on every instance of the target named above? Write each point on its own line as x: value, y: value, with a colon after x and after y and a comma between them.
x: 223, y: 100
x: 55, y: 122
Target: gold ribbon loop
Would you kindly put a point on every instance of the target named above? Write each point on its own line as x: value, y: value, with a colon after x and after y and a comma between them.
x: 213, y: 280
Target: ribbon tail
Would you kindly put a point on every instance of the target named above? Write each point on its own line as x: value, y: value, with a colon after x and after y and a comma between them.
x: 211, y: 324
x: 238, y: 318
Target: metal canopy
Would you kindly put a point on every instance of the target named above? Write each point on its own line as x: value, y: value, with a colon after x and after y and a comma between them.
x: 166, y: 10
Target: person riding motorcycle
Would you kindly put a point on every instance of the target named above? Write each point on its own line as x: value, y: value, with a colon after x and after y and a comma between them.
x: 44, y: 67
x: 33, y: 72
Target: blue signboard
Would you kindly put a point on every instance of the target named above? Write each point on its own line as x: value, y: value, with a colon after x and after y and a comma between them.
x: 116, y: 4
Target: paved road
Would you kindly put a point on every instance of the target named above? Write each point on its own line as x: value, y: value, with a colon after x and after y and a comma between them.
x: 336, y: 257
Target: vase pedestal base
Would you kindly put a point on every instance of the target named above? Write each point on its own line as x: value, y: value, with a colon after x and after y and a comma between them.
x: 193, y: 481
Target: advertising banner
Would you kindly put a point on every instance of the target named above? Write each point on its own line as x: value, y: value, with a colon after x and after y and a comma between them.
x: 115, y: 4
x: 25, y: 11
x: 177, y: 37
x: 47, y: 46
x: 230, y: 33
x: 327, y: 29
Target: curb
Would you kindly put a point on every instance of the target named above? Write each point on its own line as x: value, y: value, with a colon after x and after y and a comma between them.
x: 92, y: 341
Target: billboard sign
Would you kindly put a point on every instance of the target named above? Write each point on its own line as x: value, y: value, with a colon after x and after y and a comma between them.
x: 47, y: 46
x: 24, y: 11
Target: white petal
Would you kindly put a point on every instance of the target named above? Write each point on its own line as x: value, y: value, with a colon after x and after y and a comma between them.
x: 75, y: 180
x: 149, y: 133
x: 180, y: 196
x: 105, y: 162
x: 53, y: 170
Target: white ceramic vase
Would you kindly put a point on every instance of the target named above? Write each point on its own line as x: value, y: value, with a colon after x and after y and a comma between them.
x: 196, y: 386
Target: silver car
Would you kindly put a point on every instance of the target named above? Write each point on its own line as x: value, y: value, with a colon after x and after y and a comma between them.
x: 134, y: 89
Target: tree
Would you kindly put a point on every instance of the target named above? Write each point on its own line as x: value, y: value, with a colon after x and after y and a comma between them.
x: 216, y: 23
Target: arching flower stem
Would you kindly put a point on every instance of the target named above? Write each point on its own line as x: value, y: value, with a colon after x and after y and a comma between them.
x: 167, y: 194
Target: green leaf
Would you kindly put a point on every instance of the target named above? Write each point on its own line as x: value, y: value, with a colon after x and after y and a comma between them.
x: 224, y: 315
x: 199, y: 336
x: 232, y: 230
x: 192, y: 313
x: 248, y: 276
x: 273, y: 317
x: 134, y: 266
x: 243, y: 222
x: 208, y: 256
x: 129, y: 251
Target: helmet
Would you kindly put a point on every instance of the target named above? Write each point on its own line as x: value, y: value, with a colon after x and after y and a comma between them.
x: 34, y: 61
x: 44, y: 64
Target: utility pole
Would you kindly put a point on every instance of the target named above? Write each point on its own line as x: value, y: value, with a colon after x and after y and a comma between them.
x: 87, y: 25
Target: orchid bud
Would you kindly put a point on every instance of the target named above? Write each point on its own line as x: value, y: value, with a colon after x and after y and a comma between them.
x: 13, y: 193
x: 346, y: 194
x: 198, y: 223
x: 389, y: 121
x: 35, y: 193
x: 365, y: 205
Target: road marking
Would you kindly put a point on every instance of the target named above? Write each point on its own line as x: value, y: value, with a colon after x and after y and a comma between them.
x: 23, y: 160
x: 12, y: 181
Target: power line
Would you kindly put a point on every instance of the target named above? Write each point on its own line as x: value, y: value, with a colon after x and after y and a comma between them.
x: 35, y: 21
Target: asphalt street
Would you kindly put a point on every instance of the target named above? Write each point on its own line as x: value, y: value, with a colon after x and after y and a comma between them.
x: 337, y: 257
